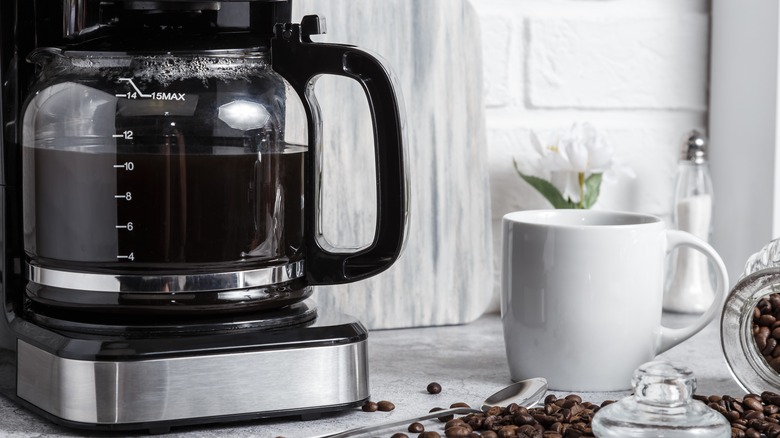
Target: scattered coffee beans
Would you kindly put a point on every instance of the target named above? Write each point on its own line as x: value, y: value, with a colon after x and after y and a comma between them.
x: 766, y: 329
x: 434, y: 388
x: 752, y: 416
x: 385, y: 406
x: 568, y: 417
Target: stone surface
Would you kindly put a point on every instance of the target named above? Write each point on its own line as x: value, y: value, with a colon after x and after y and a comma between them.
x: 445, y: 273
x: 467, y: 360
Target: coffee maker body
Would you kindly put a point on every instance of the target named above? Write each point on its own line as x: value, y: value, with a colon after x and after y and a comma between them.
x: 159, y: 233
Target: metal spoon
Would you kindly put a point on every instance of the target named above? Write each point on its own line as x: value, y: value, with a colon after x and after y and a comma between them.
x: 525, y: 393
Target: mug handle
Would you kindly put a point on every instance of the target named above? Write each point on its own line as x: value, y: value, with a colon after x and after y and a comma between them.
x: 301, y: 61
x: 669, y: 337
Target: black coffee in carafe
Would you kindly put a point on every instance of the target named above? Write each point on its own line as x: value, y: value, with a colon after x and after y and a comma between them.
x: 154, y: 210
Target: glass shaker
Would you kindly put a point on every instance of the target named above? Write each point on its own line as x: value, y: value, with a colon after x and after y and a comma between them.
x: 662, y: 407
x: 691, y: 288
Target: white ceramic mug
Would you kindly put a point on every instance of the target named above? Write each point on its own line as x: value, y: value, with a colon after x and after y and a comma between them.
x: 582, y: 292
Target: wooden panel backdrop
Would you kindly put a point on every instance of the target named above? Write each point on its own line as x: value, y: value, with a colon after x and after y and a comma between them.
x: 445, y: 275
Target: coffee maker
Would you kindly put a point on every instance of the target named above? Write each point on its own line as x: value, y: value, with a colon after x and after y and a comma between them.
x: 160, y: 236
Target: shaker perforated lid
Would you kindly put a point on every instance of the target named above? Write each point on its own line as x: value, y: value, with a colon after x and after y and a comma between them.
x: 695, y: 147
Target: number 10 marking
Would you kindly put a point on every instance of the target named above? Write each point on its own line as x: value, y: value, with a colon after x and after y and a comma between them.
x: 127, y: 165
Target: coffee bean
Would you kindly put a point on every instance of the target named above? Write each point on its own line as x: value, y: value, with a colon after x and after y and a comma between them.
x: 370, y: 406
x: 399, y: 435
x: 385, y: 406
x: 507, y: 432
x: 458, y: 432
x: 568, y: 404
x: 761, y: 337
x: 416, y: 427
x: 766, y: 320
x: 444, y: 418
x: 429, y: 434
x: 514, y: 408
x: 433, y: 388
x: 523, y: 419
x: 771, y: 343
x: 753, y: 404
x: 459, y: 405
x: 494, y: 410
x: 454, y: 422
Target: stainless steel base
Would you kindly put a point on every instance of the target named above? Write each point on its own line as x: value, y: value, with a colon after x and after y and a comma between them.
x: 211, y: 385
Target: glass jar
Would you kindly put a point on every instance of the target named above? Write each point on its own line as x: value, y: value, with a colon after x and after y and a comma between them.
x: 750, y: 316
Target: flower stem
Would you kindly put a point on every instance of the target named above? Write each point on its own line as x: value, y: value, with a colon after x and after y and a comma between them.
x: 581, y: 180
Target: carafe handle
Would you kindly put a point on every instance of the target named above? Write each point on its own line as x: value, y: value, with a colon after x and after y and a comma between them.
x: 300, y: 61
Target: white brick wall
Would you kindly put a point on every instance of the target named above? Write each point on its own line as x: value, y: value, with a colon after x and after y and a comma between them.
x: 636, y: 69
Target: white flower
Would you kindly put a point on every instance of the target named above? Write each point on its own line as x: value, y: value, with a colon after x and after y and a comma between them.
x: 578, y: 153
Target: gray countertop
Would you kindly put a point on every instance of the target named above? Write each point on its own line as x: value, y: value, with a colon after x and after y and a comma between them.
x: 467, y: 360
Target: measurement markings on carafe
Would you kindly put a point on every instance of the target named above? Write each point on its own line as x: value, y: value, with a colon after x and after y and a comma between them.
x: 137, y: 94
x: 130, y: 94
x: 134, y: 93
x: 125, y: 197
x: 127, y: 166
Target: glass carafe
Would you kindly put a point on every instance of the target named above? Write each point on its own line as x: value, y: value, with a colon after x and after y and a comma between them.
x: 162, y: 182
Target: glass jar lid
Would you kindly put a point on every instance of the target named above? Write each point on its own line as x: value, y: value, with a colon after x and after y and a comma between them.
x: 662, y: 406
